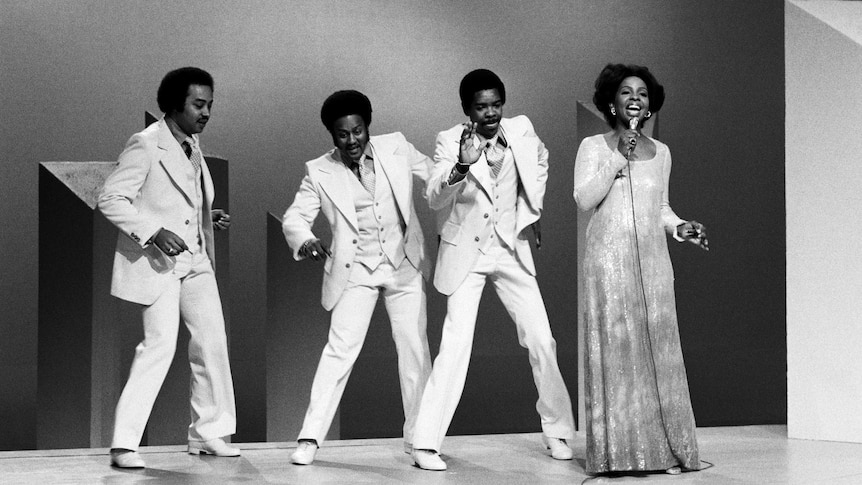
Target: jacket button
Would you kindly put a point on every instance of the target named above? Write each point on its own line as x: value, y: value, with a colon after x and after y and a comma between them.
x: 187, y: 222
x: 354, y: 241
x: 477, y: 239
x: 486, y: 215
x: 347, y: 265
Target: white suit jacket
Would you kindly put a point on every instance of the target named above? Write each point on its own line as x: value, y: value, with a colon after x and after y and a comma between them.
x: 462, y: 207
x: 327, y: 187
x: 150, y: 190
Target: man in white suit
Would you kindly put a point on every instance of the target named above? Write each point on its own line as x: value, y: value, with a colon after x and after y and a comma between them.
x: 488, y: 183
x: 364, y: 187
x: 160, y: 197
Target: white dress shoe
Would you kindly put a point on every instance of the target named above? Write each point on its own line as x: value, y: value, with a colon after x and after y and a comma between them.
x: 215, y: 446
x: 304, y: 454
x: 122, y: 458
x: 559, y: 449
x: 428, y: 460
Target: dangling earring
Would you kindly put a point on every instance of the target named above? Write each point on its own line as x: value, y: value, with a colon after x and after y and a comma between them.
x: 613, y: 111
x: 648, y: 113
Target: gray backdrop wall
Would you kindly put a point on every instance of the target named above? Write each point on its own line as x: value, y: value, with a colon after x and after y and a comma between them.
x: 76, y: 76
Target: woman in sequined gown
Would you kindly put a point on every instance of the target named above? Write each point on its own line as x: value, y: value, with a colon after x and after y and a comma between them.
x: 638, y: 409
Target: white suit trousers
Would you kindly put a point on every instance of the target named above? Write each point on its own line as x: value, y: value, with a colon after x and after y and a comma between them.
x: 519, y: 293
x: 194, y: 297
x: 404, y: 296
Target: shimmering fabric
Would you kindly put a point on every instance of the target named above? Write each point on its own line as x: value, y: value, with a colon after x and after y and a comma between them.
x: 638, y: 408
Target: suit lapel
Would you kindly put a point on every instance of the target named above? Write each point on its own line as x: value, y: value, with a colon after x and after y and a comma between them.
x: 174, y: 160
x: 525, y: 154
x: 394, y: 169
x: 481, y: 172
x: 335, y: 181
x: 207, y: 183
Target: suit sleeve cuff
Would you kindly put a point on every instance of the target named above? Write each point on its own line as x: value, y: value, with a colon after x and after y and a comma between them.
x: 456, y: 175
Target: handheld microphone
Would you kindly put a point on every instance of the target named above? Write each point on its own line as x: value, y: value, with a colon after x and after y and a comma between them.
x: 633, y: 125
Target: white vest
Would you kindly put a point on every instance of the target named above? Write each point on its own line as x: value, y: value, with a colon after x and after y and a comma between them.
x: 381, y: 232
x: 504, y: 196
x: 194, y: 234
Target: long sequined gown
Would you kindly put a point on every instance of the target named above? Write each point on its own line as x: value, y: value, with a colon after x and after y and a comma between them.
x: 638, y: 409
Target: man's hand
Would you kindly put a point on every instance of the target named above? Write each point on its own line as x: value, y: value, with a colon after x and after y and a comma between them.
x: 221, y: 219
x: 169, y: 243
x: 314, y: 249
x: 469, y: 154
x: 537, y: 231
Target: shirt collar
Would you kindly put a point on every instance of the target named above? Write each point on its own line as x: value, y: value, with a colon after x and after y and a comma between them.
x: 498, y: 138
x: 179, y: 134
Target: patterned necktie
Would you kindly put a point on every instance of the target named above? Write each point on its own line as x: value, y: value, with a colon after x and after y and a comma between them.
x: 495, y: 154
x: 366, y: 174
x: 194, y: 154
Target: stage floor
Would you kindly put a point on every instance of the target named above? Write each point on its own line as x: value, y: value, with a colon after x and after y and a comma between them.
x: 748, y: 454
